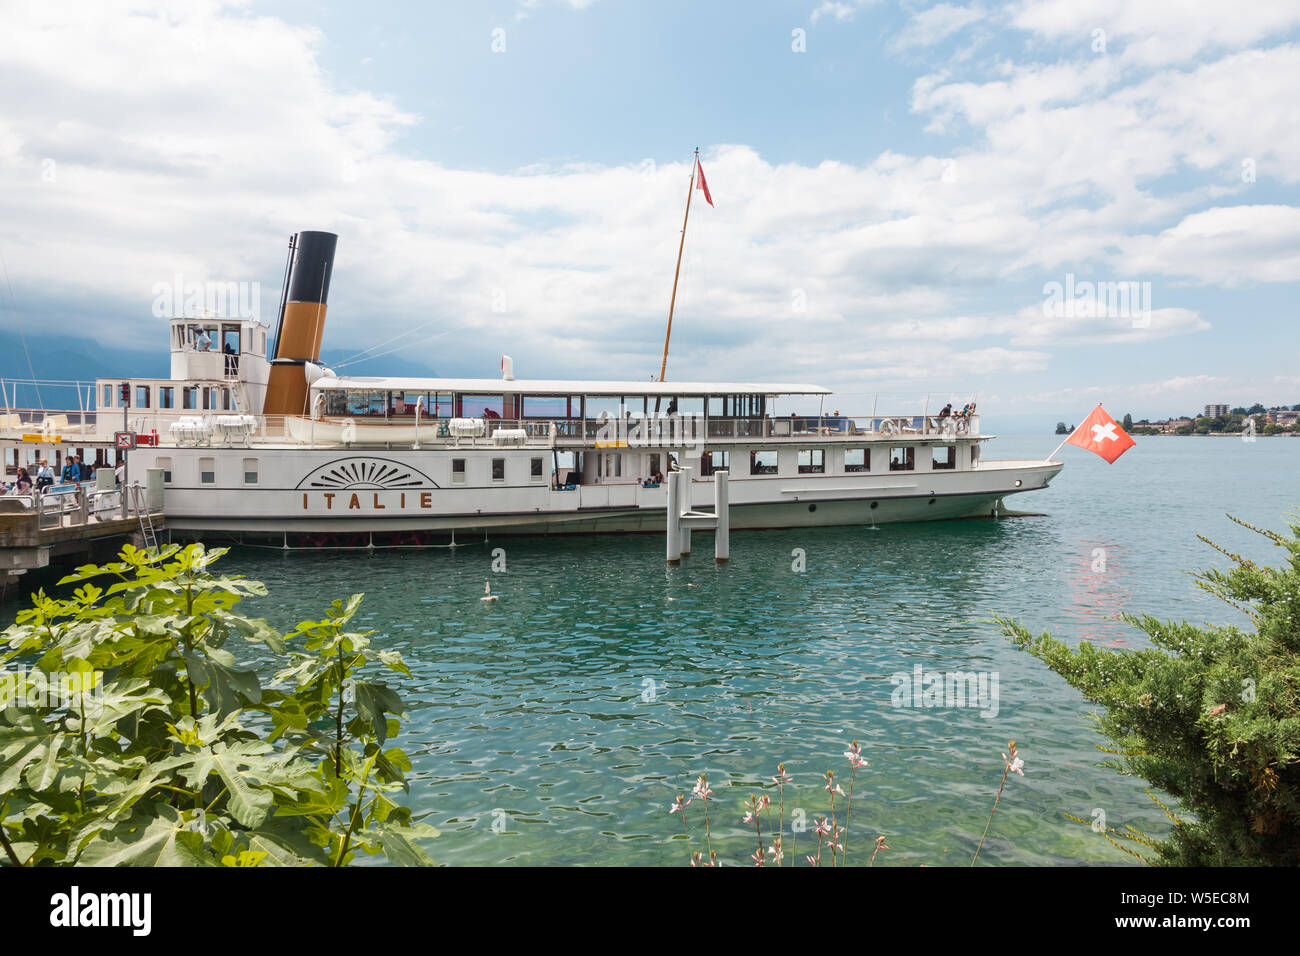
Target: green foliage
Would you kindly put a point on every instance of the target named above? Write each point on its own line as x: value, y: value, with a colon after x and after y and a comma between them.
x: 134, y: 737
x: 1210, y: 715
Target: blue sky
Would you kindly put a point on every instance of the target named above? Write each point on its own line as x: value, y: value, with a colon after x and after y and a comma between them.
x: 896, y: 187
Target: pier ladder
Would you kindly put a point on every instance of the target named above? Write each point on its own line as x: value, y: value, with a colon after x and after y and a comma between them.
x: 147, y: 530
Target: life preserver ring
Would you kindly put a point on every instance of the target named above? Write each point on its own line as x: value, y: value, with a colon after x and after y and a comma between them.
x: 887, y: 426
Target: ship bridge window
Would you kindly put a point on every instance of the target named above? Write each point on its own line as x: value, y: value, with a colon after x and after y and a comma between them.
x: 944, y: 458
x: 812, y: 461
x: 108, y: 396
x: 762, y: 462
x: 167, y: 396
x: 142, y: 396
x: 190, y: 398
x: 902, y: 458
x: 857, y: 459
x: 201, y: 338
x: 974, y: 454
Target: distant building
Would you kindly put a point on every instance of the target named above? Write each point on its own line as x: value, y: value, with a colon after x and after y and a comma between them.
x: 1215, y: 411
x: 1280, y: 416
x: 1171, y: 427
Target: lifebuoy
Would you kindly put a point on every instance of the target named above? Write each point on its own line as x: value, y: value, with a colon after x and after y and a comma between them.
x: 887, y: 426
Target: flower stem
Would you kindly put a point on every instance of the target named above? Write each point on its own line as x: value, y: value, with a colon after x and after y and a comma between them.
x: 991, y: 812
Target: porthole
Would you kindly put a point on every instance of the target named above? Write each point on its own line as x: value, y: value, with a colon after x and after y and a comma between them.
x: 931, y: 501
x: 1017, y: 482
x: 875, y: 504
x: 812, y: 507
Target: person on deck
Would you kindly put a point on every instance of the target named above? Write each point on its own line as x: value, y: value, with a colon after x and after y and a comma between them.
x: 71, y: 470
x: 44, y: 474
x: 23, y: 484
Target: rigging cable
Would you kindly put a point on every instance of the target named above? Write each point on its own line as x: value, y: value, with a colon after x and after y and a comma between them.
x: 21, y: 337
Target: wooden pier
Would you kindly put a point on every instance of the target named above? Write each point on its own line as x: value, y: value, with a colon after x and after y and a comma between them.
x: 69, y: 524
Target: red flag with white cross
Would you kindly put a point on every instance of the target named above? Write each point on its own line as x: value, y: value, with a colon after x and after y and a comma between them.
x: 1101, y: 434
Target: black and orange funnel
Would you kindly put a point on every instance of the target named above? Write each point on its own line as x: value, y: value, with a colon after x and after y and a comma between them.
x: 302, y: 321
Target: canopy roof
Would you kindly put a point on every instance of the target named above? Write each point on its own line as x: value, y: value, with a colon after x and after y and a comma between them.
x: 537, y: 386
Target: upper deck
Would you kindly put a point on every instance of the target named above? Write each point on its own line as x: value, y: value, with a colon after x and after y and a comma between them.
x: 567, y: 414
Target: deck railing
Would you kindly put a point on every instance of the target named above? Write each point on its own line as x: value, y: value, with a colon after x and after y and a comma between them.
x: 217, y: 429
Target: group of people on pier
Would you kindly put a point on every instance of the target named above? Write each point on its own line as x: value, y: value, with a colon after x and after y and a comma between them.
x: 75, y: 472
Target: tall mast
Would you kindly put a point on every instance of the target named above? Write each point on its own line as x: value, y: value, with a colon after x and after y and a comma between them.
x: 695, y: 163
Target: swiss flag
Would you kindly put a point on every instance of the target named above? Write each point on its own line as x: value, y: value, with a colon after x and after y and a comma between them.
x: 1101, y: 434
x: 701, y: 184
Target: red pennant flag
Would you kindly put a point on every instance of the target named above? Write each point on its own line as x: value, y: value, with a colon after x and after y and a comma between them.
x: 1101, y: 434
x: 701, y: 184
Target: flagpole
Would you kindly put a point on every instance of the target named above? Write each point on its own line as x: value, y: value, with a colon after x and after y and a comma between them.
x: 1067, y: 438
x: 663, y: 367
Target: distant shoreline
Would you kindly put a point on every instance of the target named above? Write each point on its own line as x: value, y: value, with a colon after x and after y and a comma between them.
x: 1215, y: 435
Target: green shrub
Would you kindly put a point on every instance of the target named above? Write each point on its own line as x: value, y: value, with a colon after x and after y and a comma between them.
x: 136, y: 738
x: 1210, y: 715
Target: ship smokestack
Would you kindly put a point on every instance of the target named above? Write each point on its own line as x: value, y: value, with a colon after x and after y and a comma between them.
x: 302, y: 321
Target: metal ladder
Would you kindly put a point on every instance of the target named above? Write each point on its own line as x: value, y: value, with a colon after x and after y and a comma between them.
x: 238, y: 400
x: 147, y: 530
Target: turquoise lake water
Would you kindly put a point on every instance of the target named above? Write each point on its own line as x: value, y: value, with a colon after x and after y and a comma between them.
x: 555, y: 724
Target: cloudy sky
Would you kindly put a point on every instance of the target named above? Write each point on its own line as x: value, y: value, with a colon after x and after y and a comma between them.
x: 898, y: 187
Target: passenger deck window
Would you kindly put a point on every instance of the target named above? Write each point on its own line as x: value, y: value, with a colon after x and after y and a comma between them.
x: 458, y: 471
x: 857, y: 459
x: 902, y: 458
x: 812, y: 461
x: 498, y: 469
x: 762, y: 462
x: 712, y: 461
x: 944, y: 458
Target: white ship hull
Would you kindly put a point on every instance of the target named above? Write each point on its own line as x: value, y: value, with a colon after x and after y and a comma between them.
x: 322, y: 492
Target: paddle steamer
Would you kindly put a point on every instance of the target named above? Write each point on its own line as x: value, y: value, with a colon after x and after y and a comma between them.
x: 252, y: 439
